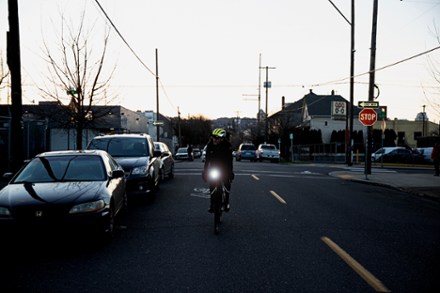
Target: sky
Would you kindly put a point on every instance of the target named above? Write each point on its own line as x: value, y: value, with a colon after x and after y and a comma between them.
x: 210, y: 52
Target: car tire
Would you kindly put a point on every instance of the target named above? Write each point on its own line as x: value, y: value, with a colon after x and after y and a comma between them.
x: 171, y: 174
x: 107, y: 232
x: 161, y: 175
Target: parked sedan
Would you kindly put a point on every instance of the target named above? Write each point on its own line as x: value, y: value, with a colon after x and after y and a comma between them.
x: 166, y: 160
x: 400, y: 155
x: 65, y: 190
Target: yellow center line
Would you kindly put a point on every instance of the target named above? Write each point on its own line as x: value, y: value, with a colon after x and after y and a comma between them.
x: 255, y: 177
x: 278, y: 197
x: 357, y: 267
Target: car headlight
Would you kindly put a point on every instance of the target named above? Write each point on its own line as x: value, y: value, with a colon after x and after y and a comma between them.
x: 4, y: 212
x: 87, y: 207
x: 141, y: 170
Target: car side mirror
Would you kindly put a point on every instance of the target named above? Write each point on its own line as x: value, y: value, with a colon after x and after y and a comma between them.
x: 118, y: 173
x: 157, y: 154
x: 8, y: 175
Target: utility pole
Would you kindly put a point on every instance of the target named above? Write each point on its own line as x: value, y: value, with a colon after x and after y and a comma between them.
x: 371, y: 86
x: 259, y: 91
x: 178, y: 126
x: 350, y: 111
x: 157, y: 99
x: 14, y: 63
x: 423, y: 121
x: 267, y: 85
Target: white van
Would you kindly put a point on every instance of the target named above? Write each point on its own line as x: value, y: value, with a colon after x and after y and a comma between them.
x: 426, y: 152
x: 380, y: 152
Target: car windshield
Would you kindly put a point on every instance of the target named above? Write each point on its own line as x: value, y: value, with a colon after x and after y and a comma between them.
x: 268, y: 147
x: 247, y: 147
x: 122, y: 146
x: 182, y: 150
x: 62, y: 168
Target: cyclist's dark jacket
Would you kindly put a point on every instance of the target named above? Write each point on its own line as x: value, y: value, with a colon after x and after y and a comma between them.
x: 220, y: 156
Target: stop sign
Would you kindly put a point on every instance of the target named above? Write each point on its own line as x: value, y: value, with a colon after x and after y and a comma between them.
x: 367, y: 116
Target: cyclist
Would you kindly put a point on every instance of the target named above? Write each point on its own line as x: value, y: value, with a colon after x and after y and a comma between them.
x: 219, y: 154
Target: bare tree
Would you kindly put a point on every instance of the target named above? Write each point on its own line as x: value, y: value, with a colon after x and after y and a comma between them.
x: 3, y: 73
x: 76, y: 76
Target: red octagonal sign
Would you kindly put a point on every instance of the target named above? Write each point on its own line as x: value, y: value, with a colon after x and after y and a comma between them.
x: 367, y: 116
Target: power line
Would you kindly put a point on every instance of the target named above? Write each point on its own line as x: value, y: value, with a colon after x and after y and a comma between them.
x: 379, y: 69
x: 123, y: 39
x: 134, y: 53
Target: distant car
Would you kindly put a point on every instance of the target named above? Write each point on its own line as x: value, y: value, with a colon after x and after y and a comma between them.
x: 136, y: 154
x: 197, y: 153
x: 376, y: 156
x: 246, y: 151
x: 65, y: 191
x: 167, y: 161
x: 203, y: 156
x: 268, y: 152
x: 182, y: 154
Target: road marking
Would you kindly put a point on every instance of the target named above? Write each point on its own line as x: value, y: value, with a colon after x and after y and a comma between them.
x: 278, y: 197
x: 255, y: 177
x: 357, y: 267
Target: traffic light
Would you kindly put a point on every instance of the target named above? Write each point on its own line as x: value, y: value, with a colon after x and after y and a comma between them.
x: 382, y: 112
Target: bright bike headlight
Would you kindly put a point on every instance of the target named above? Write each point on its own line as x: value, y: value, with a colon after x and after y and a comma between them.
x: 141, y: 170
x: 87, y: 207
x: 214, y: 174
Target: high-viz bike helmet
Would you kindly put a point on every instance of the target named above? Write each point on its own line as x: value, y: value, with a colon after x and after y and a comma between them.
x: 218, y: 132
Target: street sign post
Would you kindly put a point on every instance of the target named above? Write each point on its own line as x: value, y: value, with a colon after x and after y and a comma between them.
x: 368, y: 104
x: 367, y: 116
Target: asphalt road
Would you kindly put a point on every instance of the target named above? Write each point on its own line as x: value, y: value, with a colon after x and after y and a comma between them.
x: 291, y: 228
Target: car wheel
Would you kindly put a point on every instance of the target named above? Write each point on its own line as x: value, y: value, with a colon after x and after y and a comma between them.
x: 124, y: 203
x: 108, y: 229
x: 161, y: 175
x: 171, y: 174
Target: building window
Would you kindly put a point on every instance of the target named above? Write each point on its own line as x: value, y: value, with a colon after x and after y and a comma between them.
x: 417, y: 134
x: 400, y: 138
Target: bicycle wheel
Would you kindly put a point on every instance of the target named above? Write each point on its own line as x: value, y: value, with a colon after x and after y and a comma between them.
x: 217, y: 211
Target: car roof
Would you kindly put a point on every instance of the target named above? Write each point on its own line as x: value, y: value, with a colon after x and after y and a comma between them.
x: 127, y: 135
x: 72, y: 152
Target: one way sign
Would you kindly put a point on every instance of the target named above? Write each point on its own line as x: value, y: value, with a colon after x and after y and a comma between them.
x: 368, y: 104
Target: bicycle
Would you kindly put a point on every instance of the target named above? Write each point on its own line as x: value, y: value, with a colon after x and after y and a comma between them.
x: 218, y: 194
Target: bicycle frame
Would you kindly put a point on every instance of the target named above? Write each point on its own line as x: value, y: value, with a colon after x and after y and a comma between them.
x: 217, y: 195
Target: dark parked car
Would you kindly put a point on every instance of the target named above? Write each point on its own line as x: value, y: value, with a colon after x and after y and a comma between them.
x: 65, y: 191
x: 167, y: 160
x: 400, y: 155
x: 136, y: 154
x: 246, y: 151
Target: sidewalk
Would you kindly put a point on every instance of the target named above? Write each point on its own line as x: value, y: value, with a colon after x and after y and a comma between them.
x: 426, y: 185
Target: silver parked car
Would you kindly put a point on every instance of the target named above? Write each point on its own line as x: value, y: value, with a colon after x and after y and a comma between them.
x: 166, y: 161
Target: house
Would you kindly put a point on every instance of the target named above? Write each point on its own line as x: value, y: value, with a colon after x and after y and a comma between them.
x: 326, y: 113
